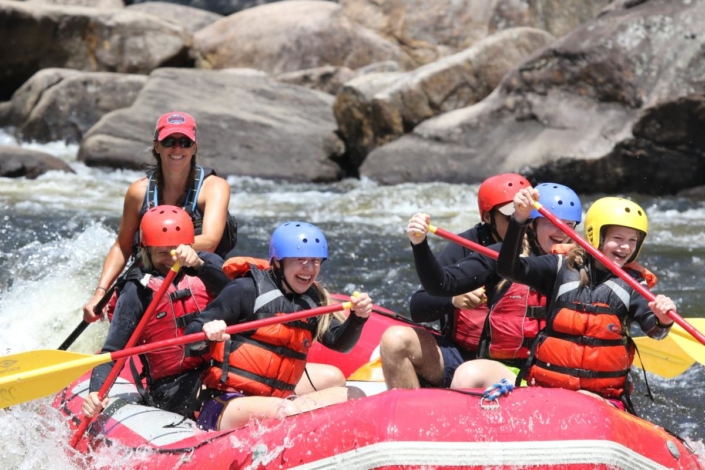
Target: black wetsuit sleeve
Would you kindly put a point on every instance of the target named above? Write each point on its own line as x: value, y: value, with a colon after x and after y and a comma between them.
x: 424, y: 307
x: 342, y: 337
x: 233, y: 305
x: 211, y: 273
x: 131, y: 305
x: 642, y: 314
x: 537, y: 272
x: 463, y: 276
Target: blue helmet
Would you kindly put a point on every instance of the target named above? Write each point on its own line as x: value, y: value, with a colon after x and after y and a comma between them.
x: 298, y: 240
x: 561, y: 200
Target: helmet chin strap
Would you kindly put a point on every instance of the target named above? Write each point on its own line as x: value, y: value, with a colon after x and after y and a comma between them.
x: 493, y: 228
x: 279, y: 275
x: 534, y: 239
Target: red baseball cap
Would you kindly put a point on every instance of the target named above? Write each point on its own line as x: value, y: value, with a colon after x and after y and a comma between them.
x: 175, y: 122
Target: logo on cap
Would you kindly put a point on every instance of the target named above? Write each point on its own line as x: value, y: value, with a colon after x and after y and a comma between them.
x: 176, y: 119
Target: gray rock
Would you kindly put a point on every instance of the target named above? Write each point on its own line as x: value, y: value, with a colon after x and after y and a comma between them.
x: 190, y: 18
x: 221, y: 7
x: 248, y: 125
x: 16, y: 162
x: 385, y: 110
x: 328, y: 79
x: 82, y: 3
x: 289, y: 36
x: 615, y: 106
x: 62, y: 104
x: 41, y: 36
x: 430, y: 30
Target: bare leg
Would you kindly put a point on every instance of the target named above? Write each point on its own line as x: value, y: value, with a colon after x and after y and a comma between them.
x: 480, y: 373
x: 406, y: 352
x: 322, y: 376
x: 239, y: 411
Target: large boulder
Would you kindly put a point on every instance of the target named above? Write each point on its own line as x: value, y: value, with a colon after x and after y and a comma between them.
x: 41, y: 36
x: 192, y: 19
x: 248, y: 124
x: 221, y: 7
x: 429, y: 30
x: 372, y: 110
x: 617, y: 105
x: 62, y: 104
x: 16, y: 162
x: 290, y: 36
x: 82, y: 3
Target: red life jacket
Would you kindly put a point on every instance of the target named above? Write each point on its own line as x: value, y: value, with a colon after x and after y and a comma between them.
x: 271, y: 360
x: 586, y: 343
x: 515, y: 321
x: 175, y: 310
x: 468, y: 326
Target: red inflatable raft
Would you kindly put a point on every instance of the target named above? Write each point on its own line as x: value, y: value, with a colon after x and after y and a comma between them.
x: 430, y: 428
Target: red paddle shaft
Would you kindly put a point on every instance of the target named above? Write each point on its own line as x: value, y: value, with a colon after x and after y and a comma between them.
x: 616, y: 269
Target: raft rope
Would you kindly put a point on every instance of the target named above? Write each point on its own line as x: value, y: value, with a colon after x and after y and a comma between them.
x: 492, y: 394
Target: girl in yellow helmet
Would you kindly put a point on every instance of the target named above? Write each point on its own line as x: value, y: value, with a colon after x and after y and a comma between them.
x: 586, y: 344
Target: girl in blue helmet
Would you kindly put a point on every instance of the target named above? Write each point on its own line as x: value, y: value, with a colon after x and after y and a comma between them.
x: 517, y: 313
x: 255, y: 374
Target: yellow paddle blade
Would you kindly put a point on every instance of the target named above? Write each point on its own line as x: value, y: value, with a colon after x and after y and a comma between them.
x: 35, y: 374
x: 664, y: 358
x: 690, y: 345
x: 370, y: 372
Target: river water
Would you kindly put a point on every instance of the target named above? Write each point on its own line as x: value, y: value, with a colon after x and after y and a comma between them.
x: 56, y: 230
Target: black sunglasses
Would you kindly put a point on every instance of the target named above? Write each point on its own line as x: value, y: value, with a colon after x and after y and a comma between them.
x: 184, y: 142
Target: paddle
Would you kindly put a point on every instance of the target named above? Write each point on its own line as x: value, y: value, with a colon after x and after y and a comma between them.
x: 97, y: 309
x: 35, y: 374
x: 619, y: 272
x: 84, y: 324
x: 117, y: 367
x: 463, y: 241
x: 667, y: 358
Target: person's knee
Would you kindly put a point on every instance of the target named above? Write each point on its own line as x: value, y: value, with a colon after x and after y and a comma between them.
x: 396, y: 341
x: 467, y: 376
x: 334, y: 377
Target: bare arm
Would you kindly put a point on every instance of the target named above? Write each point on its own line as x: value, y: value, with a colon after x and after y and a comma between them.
x: 213, y: 199
x: 120, y: 251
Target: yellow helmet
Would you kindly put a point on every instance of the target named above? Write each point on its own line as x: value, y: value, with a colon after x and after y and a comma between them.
x: 615, y: 211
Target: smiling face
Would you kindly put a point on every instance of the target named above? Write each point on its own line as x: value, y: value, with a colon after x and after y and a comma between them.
x: 161, y: 258
x: 177, y: 157
x: 619, y: 243
x: 300, y: 273
x: 548, y: 234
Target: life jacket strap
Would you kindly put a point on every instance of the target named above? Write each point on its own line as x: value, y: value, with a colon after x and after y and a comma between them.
x: 238, y: 341
x: 184, y: 320
x: 588, y: 341
x: 180, y: 294
x: 585, y: 308
x: 270, y: 382
x: 536, y: 312
x: 583, y: 373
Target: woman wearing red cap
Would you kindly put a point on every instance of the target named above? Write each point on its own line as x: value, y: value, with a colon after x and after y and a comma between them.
x: 174, y: 180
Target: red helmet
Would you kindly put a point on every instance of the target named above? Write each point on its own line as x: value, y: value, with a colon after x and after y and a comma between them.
x: 166, y: 226
x: 498, y: 190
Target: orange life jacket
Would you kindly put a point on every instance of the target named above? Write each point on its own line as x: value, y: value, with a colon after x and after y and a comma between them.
x: 268, y: 361
x: 586, y: 343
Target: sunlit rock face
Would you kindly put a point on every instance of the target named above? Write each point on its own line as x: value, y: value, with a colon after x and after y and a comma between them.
x: 615, y: 105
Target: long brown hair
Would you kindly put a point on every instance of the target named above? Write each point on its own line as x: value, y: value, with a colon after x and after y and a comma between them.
x: 525, y: 251
x: 325, y: 320
x: 577, y: 260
